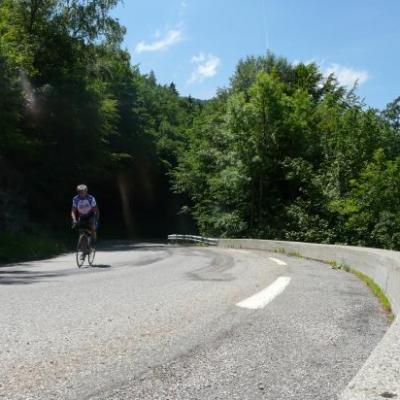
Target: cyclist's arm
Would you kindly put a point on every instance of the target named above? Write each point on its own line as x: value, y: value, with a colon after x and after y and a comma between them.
x: 73, y: 214
x: 95, y: 208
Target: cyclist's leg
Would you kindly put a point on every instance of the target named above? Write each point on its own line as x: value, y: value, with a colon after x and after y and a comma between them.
x: 85, y: 223
x: 82, y: 246
x: 93, y: 228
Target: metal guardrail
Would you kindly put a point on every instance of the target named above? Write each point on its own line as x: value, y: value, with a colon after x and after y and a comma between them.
x: 192, y: 238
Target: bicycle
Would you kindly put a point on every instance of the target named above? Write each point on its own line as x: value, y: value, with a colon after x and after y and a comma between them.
x: 85, y: 247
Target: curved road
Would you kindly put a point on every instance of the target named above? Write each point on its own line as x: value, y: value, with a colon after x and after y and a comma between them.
x: 153, y: 321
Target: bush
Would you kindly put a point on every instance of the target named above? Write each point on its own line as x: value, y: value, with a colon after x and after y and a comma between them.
x: 25, y: 246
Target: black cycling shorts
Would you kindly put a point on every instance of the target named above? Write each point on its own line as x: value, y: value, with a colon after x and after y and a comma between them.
x: 87, y: 221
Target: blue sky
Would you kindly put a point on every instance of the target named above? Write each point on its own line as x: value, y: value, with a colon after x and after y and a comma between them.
x: 197, y: 43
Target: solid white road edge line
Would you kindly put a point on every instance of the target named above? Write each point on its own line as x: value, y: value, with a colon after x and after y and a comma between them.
x: 261, y: 299
x: 280, y: 262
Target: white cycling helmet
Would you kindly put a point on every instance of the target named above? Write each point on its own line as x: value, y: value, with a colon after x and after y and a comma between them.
x: 81, y: 188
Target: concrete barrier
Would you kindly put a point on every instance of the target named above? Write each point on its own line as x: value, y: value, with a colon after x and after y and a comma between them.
x: 379, y: 378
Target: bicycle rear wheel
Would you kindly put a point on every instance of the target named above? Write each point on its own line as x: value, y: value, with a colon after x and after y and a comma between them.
x: 81, y: 250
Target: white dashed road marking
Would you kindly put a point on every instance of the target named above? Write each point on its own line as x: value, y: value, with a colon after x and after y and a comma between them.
x: 261, y: 299
x: 280, y: 262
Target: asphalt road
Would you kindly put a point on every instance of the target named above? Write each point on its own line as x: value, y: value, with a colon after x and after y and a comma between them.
x: 152, y: 321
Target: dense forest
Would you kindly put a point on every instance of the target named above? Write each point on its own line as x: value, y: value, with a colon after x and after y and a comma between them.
x: 74, y: 109
x: 281, y: 153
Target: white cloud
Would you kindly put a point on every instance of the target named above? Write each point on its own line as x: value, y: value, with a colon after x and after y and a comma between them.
x: 207, y: 66
x: 172, y: 37
x: 199, y: 58
x: 346, y: 76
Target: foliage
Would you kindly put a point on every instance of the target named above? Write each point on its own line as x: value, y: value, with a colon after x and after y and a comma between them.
x: 28, y: 246
x: 371, y: 206
x: 74, y: 109
x: 283, y: 152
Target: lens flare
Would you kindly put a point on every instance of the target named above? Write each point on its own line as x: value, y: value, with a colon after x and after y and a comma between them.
x: 123, y: 186
x: 28, y: 92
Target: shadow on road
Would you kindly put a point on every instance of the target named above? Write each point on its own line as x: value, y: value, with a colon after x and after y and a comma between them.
x: 27, y: 277
x: 129, y: 246
x: 32, y: 272
x: 100, y: 266
x: 24, y: 277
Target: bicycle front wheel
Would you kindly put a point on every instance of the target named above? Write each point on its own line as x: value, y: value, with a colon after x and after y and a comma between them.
x: 81, y: 250
x: 91, y: 255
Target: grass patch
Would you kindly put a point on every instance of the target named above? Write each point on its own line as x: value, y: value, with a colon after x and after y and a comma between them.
x: 332, y: 263
x: 376, y: 290
x: 28, y: 246
x: 335, y: 265
x: 295, y: 254
x: 281, y: 250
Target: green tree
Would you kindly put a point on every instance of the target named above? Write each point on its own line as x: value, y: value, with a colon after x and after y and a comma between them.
x: 371, y: 207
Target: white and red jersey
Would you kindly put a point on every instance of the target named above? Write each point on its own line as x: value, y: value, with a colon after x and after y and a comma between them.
x: 84, y: 205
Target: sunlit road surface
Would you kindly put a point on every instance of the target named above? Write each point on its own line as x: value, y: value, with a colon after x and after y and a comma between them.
x: 152, y: 321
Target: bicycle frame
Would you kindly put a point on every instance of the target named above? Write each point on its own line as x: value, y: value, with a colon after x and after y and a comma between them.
x: 85, y: 247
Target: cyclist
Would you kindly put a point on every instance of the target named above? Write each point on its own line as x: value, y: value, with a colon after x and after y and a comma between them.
x: 84, y: 210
